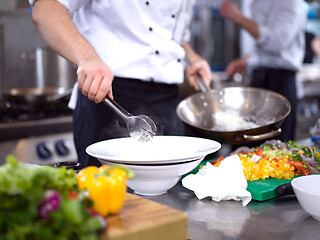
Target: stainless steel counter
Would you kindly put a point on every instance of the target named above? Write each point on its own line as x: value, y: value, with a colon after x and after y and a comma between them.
x: 275, y: 219
x: 279, y: 218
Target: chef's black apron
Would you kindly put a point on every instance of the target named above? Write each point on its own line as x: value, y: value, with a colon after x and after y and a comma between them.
x: 97, y: 122
x: 283, y: 82
x: 309, y: 54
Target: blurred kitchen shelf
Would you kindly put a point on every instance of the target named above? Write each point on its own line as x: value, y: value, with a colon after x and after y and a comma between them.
x: 308, y: 112
x: 303, y: 127
x: 311, y: 88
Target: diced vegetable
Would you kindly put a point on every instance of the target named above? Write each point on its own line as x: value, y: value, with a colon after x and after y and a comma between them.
x: 276, y: 159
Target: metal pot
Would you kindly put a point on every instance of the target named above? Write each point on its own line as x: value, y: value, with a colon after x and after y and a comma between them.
x: 52, y: 70
x: 35, y: 99
x: 266, y: 109
x: 51, y: 85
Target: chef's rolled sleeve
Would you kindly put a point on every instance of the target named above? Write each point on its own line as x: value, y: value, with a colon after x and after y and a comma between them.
x: 183, y: 32
x: 31, y: 2
x: 71, y: 5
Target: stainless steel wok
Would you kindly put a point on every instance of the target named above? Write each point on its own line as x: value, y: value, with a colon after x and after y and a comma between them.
x: 266, y: 109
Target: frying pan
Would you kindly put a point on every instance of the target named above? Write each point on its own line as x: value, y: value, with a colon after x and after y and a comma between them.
x: 35, y: 98
x: 264, y: 108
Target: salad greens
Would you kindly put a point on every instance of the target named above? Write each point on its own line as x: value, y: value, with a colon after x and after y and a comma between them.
x: 308, y: 155
x: 44, y: 203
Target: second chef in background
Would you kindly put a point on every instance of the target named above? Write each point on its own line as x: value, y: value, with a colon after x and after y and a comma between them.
x: 132, y: 50
x: 278, y: 30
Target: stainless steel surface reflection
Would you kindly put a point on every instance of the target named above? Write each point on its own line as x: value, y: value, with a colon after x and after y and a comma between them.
x: 279, y: 218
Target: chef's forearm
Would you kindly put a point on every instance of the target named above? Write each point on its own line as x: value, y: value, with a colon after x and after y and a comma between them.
x: 231, y: 11
x: 57, y: 28
x: 249, y: 25
x: 191, y: 55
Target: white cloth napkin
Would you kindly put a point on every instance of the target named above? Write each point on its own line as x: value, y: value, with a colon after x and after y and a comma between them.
x: 74, y: 97
x: 226, y: 182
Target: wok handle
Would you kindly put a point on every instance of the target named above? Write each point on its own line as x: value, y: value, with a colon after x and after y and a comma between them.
x: 262, y: 136
x: 202, y: 85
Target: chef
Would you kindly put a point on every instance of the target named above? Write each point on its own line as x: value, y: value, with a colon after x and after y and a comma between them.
x: 134, y: 51
x: 278, y: 30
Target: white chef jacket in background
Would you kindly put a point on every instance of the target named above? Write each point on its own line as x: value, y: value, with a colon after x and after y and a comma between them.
x: 279, y: 22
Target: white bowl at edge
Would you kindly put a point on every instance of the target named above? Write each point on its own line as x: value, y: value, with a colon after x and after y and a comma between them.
x: 307, y: 191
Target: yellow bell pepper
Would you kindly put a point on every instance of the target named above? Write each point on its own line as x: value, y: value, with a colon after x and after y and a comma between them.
x: 106, y: 186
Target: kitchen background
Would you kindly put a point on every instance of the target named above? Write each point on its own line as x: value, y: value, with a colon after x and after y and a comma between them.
x: 26, y: 62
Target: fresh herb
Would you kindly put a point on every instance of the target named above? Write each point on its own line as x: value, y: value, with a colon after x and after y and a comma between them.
x: 36, y: 204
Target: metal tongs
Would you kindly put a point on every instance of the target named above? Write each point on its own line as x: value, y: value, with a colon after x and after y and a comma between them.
x: 141, y: 127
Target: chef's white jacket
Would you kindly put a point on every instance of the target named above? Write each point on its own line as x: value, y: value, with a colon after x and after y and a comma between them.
x: 137, y: 38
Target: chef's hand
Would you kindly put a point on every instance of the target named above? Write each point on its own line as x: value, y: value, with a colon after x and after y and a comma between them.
x: 237, y: 66
x: 230, y: 10
x: 198, y: 68
x: 95, y: 79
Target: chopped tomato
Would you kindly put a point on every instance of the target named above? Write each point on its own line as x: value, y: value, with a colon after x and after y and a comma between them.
x: 259, y: 152
x: 219, y: 160
x: 73, y: 195
x: 301, y: 168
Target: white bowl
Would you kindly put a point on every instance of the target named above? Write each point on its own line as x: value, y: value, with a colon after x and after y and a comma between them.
x: 153, y: 180
x: 307, y: 190
x: 162, y: 149
x: 158, y: 165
